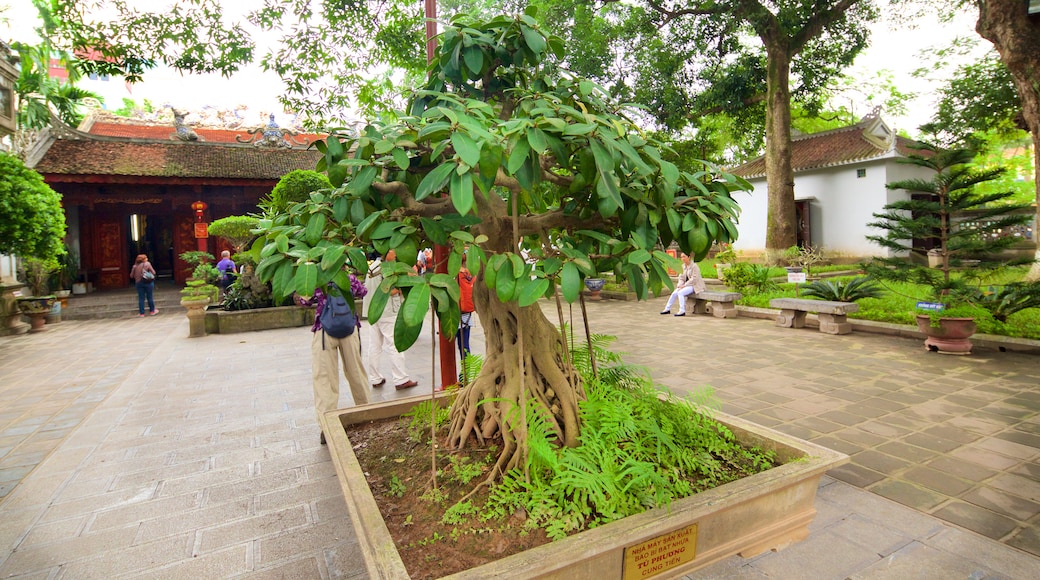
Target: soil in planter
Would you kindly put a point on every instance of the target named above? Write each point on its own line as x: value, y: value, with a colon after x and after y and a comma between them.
x: 398, y: 471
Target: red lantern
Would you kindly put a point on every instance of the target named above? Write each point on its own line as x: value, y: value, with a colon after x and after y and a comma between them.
x: 199, y: 207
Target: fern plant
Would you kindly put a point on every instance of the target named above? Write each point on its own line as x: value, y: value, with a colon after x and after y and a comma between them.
x: 639, y: 450
x: 838, y: 291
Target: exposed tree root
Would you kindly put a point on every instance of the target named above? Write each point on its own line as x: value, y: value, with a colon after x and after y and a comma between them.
x: 489, y: 407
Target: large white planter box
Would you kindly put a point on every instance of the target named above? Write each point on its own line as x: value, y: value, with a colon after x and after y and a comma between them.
x: 766, y: 511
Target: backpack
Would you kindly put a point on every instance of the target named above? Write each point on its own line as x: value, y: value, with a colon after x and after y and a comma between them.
x: 337, y: 317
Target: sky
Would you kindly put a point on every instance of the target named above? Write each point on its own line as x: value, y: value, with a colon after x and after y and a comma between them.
x: 896, y: 51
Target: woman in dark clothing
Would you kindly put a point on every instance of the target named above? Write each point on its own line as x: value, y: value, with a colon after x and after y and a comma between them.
x: 143, y: 275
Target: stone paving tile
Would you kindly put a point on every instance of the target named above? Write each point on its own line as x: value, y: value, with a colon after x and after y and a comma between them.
x: 961, y: 468
x: 1018, y: 485
x: 1002, y: 502
x: 936, y: 480
x: 910, y: 453
x: 976, y: 519
x: 134, y: 445
x: 908, y: 494
x: 828, y: 555
x: 940, y: 444
x: 1027, y: 540
x: 917, y: 560
x: 856, y: 475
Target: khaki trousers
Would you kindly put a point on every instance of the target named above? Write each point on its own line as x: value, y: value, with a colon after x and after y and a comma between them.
x: 325, y: 370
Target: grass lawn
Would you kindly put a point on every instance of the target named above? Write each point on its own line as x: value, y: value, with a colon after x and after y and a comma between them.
x: 897, y: 305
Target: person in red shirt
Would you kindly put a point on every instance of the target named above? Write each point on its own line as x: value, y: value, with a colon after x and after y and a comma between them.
x: 465, y: 279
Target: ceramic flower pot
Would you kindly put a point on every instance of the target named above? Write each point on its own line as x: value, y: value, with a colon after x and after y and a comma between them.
x: 950, y: 336
x: 595, y: 285
x: 37, y: 308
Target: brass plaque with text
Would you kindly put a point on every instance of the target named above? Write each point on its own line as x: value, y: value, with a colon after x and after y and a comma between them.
x: 650, y: 558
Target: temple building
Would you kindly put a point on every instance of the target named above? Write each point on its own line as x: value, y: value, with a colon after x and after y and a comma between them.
x: 131, y: 187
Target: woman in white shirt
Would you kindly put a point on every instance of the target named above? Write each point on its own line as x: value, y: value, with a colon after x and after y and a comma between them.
x: 690, y: 282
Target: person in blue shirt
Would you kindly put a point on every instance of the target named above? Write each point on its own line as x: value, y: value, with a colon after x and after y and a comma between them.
x: 227, y: 271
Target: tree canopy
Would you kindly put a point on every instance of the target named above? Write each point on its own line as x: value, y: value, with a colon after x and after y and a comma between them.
x: 534, y: 179
x: 32, y: 222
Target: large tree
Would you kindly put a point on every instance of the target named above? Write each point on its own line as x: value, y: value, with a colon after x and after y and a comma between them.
x: 690, y: 61
x: 828, y: 34
x: 547, y: 182
x: 1016, y: 36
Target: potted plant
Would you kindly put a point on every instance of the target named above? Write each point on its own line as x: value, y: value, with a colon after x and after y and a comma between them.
x: 40, y: 303
x: 724, y: 259
x: 195, y: 296
x: 63, y: 277
x: 947, y: 222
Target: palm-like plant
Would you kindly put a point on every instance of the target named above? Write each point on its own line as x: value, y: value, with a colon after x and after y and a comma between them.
x: 938, y: 209
x: 838, y: 291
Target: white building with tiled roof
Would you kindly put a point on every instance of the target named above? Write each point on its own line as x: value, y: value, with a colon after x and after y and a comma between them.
x: 840, y: 178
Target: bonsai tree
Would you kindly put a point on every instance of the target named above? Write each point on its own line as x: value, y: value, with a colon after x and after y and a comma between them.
x: 964, y: 225
x: 526, y: 174
x: 37, y: 273
x: 236, y: 229
x: 32, y: 222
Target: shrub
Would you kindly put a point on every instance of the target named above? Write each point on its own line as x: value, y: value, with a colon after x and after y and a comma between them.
x: 293, y: 187
x: 1003, y: 301
x: 838, y: 291
x: 745, y: 277
x: 32, y: 222
x: 236, y: 229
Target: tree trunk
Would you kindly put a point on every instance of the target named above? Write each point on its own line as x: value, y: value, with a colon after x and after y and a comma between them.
x: 780, y: 231
x: 1016, y: 36
x: 489, y: 407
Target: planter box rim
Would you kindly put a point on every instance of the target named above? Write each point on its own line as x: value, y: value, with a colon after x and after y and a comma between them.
x: 803, y: 461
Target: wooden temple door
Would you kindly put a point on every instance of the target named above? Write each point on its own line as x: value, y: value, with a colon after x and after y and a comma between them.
x: 804, y: 227
x: 111, y: 259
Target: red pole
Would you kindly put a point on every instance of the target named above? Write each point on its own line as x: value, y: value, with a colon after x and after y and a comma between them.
x: 449, y: 375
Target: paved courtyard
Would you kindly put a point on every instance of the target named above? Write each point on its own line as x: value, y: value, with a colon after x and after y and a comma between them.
x: 129, y: 450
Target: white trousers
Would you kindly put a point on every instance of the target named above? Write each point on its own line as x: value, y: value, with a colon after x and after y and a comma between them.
x: 325, y: 370
x: 383, y: 339
x: 681, y: 294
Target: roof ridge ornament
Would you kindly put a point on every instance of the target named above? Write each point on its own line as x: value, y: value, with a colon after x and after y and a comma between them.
x: 184, y: 132
x: 271, y: 136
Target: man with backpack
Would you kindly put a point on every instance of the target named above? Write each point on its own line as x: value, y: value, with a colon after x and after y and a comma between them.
x: 336, y: 338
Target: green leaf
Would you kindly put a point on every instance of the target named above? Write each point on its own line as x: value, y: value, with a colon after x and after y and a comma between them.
x: 570, y: 282
x: 363, y: 180
x: 435, y: 180
x: 377, y: 304
x: 468, y: 150
x: 306, y: 279
x: 281, y: 243
x: 434, y: 230
x: 282, y: 282
x: 505, y: 282
x: 454, y: 263
x: 536, y: 138
x: 532, y: 290
x: 410, y: 318
x: 533, y: 39
x: 383, y: 146
x: 474, y: 60
x: 607, y: 185
x: 401, y: 158
x: 315, y: 228
x: 462, y: 192
x: 638, y: 257
x: 331, y: 259
x: 518, y: 156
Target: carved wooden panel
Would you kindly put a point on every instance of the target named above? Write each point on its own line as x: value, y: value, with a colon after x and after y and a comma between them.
x: 183, y: 241
x: 113, y: 261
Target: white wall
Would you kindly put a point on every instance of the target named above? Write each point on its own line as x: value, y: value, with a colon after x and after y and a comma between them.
x: 840, y: 205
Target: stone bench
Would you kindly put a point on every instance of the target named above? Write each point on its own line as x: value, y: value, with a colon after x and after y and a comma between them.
x: 832, y: 315
x: 723, y: 304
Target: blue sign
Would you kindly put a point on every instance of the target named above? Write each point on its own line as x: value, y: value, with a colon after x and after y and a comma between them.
x: 936, y: 306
